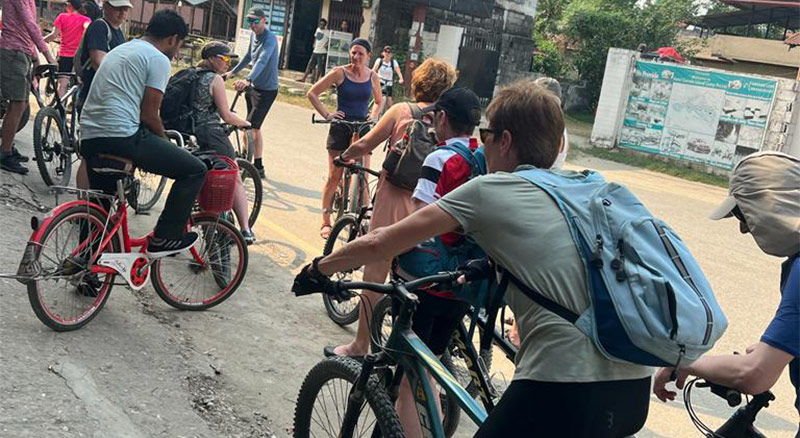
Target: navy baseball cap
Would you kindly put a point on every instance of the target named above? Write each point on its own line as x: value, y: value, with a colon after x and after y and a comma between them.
x: 461, y: 105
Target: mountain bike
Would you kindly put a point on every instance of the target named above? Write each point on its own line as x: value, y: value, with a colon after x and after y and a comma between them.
x: 347, y: 228
x: 741, y: 423
x: 55, y: 128
x: 78, y: 249
x: 244, y: 149
x: 350, y: 196
x: 362, y: 394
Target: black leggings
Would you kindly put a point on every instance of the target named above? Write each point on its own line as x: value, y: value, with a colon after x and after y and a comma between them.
x: 533, y: 409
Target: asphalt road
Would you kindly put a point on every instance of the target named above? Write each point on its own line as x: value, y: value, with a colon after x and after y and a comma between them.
x: 143, y: 369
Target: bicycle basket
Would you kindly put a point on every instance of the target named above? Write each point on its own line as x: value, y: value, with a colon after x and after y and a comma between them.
x: 216, y: 196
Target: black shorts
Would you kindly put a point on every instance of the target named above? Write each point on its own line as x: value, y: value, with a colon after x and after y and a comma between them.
x: 214, y: 137
x: 258, y: 104
x: 339, y: 136
x: 435, y: 320
x: 613, y: 409
x: 317, y: 61
x: 386, y: 90
x: 65, y: 64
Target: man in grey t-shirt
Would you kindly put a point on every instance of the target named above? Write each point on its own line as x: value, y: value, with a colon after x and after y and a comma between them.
x: 121, y: 118
x: 563, y: 386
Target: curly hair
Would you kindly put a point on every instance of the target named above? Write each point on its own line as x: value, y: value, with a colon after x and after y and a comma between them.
x: 432, y: 78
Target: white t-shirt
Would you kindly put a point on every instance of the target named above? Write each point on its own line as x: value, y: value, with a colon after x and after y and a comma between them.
x: 114, y: 103
x: 386, y: 71
x: 321, y: 38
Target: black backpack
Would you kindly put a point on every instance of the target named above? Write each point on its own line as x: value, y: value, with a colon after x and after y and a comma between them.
x: 403, y: 163
x: 177, y: 112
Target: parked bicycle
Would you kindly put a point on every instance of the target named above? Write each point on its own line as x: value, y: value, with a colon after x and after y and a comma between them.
x: 55, y: 128
x: 350, y: 195
x: 80, y: 247
x: 346, y: 229
x: 341, y: 397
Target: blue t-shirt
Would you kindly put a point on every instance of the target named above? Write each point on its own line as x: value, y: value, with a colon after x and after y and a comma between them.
x: 115, y: 99
x: 783, y: 332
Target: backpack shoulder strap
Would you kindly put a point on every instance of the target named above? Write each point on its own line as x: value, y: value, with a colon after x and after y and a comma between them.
x: 416, y: 112
x: 466, y: 154
x: 538, y: 298
x: 108, y: 34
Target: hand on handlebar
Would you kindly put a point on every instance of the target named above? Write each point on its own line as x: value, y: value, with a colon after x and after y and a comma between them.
x: 664, y: 376
x: 475, y: 270
x: 241, y: 84
x: 244, y: 125
x: 341, y: 162
x: 309, y: 282
x: 337, y: 115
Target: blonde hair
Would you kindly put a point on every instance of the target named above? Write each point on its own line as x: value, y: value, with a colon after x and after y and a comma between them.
x: 205, y: 64
x: 432, y: 78
x: 533, y: 116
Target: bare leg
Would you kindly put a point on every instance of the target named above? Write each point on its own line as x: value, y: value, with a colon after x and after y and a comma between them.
x: 407, y: 410
x: 240, y: 206
x: 82, y: 177
x: 10, y: 123
x: 387, y: 103
x: 62, y: 86
x: 334, y: 175
x: 373, y: 273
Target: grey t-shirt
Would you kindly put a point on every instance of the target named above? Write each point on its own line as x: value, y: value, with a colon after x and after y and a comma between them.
x: 113, y: 106
x: 520, y: 227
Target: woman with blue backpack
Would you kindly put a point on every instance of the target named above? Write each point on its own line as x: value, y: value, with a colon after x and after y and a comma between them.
x: 591, y: 331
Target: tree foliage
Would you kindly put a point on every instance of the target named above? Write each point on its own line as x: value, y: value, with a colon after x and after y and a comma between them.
x: 595, y: 26
x: 548, y: 59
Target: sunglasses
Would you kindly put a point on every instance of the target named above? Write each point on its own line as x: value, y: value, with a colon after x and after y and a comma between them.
x: 253, y: 20
x: 387, y: 51
x: 485, y: 132
x: 225, y: 58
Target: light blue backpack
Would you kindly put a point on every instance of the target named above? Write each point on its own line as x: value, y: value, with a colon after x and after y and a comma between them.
x: 650, y: 302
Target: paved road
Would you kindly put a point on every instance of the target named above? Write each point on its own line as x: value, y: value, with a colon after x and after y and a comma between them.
x: 142, y: 369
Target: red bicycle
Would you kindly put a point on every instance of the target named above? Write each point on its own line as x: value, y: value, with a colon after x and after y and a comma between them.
x: 80, y: 247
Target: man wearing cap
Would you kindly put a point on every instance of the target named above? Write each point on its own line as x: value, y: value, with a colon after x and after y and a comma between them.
x: 765, y: 198
x: 262, y: 82
x: 20, y: 38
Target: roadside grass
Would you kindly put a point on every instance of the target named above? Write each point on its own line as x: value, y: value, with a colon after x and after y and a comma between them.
x: 651, y: 163
x: 579, y: 123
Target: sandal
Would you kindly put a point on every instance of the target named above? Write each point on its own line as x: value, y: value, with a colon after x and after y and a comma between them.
x: 325, y: 231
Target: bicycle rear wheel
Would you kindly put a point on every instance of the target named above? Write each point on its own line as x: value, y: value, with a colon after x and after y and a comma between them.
x: 252, y: 188
x: 345, y: 230
x: 323, y: 399
x: 454, y: 360
x: 50, y: 148
x: 64, y: 295
x: 207, y: 275
x: 149, y: 190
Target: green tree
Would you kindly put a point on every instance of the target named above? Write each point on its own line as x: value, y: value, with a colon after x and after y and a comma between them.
x: 595, y: 26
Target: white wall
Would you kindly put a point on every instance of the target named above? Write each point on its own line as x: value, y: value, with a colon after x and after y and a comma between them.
x: 449, y: 44
x: 616, y: 79
x: 794, y: 146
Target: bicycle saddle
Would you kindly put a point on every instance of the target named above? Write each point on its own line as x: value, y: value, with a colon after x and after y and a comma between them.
x: 112, y: 165
x: 41, y: 69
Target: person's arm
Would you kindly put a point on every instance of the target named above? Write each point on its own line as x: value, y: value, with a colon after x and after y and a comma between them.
x: 335, y: 76
x: 267, y: 51
x: 397, y: 70
x: 377, y: 65
x: 387, y: 242
x: 221, y: 101
x: 375, y: 136
x: 56, y: 32
x: 149, y: 116
x: 244, y: 62
x: 377, y: 96
x: 32, y: 27
x: 97, y: 42
x: 751, y: 373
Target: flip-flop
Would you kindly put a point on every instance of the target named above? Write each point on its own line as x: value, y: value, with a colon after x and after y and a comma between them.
x: 325, y: 231
x: 329, y: 352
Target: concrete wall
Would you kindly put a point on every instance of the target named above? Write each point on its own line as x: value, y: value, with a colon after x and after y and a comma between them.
x: 616, y: 83
x: 794, y: 138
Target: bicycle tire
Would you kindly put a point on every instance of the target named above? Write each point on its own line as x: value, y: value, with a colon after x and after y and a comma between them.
x: 380, y: 312
x: 339, y: 313
x: 147, y: 199
x: 44, y: 311
x: 345, y: 369
x: 224, y: 242
x: 249, y: 171
x: 450, y: 359
x: 357, y: 194
x: 47, y: 154
x: 249, y: 140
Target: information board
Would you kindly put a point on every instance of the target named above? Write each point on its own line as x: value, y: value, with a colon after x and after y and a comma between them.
x: 693, y: 114
x: 338, y: 49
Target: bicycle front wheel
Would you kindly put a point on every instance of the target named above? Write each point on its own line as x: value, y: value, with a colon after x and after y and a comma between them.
x: 149, y: 190
x: 50, y: 148
x: 323, y: 399
x: 253, y: 189
x: 208, y: 274
x: 64, y: 295
x: 345, y: 230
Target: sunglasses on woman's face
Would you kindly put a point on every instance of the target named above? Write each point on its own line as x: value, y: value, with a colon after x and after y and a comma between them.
x: 225, y: 58
x: 486, y: 132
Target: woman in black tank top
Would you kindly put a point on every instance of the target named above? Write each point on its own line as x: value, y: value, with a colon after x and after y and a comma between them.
x: 355, y: 84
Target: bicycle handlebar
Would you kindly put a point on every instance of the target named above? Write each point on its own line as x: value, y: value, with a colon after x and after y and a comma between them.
x: 732, y: 396
x: 351, y: 123
x: 355, y: 166
x: 236, y: 98
x: 401, y: 288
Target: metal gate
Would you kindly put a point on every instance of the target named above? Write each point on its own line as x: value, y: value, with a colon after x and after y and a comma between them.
x: 478, y: 59
x: 349, y: 10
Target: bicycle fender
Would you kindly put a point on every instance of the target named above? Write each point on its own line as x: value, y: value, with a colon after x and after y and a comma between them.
x: 133, y: 267
x: 50, y: 215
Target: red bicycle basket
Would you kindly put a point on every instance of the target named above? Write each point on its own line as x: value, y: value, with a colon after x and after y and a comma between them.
x: 217, y: 193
